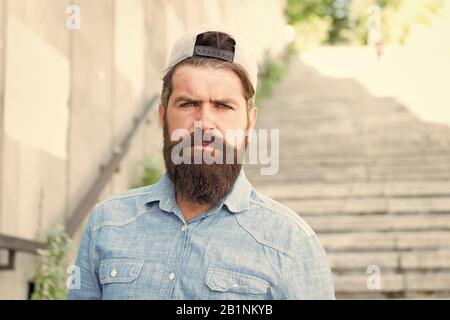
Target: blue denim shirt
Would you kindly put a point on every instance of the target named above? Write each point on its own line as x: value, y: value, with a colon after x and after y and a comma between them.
x: 137, y: 245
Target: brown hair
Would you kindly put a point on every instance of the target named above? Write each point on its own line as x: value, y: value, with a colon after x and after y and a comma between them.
x: 221, y: 41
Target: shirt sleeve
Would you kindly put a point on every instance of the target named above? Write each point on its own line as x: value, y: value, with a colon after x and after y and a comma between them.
x: 85, y: 284
x: 310, y: 275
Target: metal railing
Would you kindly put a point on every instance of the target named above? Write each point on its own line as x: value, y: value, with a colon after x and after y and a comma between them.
x: 89, y: 199
x: 13, y: 244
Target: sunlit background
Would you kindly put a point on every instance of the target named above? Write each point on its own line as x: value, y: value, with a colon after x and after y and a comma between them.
x: 360, y: 91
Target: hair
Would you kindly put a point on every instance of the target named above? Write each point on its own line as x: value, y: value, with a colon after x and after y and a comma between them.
x: 217, y: 40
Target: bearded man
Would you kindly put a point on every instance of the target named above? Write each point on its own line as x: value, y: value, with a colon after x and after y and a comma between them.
x: 202, y: 231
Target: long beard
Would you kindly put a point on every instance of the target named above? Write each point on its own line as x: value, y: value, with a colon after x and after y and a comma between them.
x: 201, y: 183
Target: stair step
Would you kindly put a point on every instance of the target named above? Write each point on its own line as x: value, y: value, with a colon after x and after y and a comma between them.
x: 379, y: 241
x: 357, y: 175
x: 394, y: 282
x: 367, y: 206
x: 356, y: 189
x: 352, y: 283
x: 381, y: 223
x: 390, y: 260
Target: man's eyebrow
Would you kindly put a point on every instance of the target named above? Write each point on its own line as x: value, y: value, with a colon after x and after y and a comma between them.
x: 225, y: 101
x: 193, y: 100
x: 186, y: 99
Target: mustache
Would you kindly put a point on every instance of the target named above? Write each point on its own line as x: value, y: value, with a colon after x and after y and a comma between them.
x: 187, y: 142
x: 182, y: 146
x: 197, y: 137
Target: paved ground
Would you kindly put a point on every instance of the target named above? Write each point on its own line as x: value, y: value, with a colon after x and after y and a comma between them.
x: 371, y: 179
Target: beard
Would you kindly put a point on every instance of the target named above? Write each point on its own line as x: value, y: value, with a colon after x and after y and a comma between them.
x: 202, y: 183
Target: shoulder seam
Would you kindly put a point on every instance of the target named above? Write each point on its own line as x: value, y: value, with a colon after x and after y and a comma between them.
x: 267, y: 243
x: 117, y: 224
x: 123, y: 197
x: 301, y: 223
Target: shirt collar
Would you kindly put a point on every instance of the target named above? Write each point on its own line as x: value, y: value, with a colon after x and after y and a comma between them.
x: 164, y: 192
x: 236, y: 200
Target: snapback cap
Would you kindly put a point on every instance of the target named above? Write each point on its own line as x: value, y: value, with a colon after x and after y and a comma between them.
x: 186, y: 46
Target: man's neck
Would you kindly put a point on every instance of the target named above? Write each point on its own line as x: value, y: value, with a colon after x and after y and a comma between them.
x: 191, y: 209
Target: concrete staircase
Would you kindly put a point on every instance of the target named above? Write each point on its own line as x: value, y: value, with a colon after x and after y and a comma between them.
x: 371, y: 179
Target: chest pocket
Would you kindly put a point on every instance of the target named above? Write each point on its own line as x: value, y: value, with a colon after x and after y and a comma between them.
x: 118, y: 277
x: 227, y: 284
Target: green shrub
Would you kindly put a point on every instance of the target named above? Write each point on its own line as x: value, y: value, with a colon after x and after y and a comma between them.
x: 272, y: 72
x: 401, y: 15
x: 51, y: 276
x: 153, y: 170
x: 335, y: 14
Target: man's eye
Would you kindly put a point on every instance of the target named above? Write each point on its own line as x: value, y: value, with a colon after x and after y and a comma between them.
x: 188, y: 104
x: 223, y: 106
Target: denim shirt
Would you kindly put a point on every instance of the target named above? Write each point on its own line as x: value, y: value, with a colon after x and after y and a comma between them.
x: 137, y: 245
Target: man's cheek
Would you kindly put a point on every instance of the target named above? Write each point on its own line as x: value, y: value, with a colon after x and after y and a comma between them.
x: 235, y: 137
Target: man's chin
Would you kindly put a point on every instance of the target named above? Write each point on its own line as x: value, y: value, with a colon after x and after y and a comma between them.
x: 204, y: 183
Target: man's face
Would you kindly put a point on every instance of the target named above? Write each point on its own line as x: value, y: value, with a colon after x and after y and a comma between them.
x: 210, y: 95
x: 213, y: 97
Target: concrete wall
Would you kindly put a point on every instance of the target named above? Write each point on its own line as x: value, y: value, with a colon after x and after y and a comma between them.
x: 67, y: 97
x: 2, y: 87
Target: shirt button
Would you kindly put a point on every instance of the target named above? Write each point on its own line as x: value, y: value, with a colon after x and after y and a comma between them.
x: 113, y: 273
x: 172, y: 276
x: 183, y: 228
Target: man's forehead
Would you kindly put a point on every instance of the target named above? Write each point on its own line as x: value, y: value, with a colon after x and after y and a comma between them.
x: 185, y: 72
x: 201, y: 84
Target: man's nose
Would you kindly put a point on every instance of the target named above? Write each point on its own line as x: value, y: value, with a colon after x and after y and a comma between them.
x: 206, y: 116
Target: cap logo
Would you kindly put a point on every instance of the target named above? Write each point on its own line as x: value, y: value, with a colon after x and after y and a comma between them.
x: 211, y: 52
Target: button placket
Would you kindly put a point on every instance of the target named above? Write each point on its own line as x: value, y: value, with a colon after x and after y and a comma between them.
x: 175, y: 259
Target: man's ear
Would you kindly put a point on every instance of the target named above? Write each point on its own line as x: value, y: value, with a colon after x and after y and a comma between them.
x: 252, y: 115
x: 161, y: 115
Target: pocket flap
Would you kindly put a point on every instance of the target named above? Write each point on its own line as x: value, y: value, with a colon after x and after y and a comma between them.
x: 233, y: 281
x: 119, y: 270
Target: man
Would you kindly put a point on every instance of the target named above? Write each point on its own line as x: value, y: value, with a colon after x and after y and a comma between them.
x: 202, y: 232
